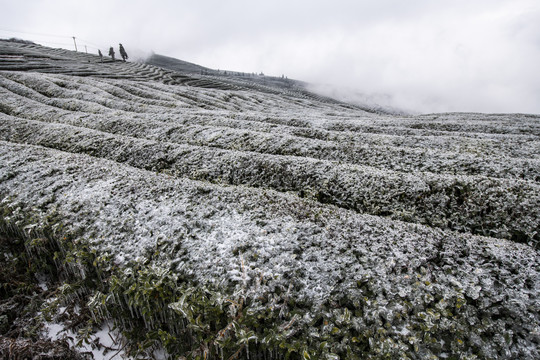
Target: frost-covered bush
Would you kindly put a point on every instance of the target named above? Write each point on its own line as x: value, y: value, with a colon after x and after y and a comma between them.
x: 226, y: 219
x: 313, y: 279
x: 481, y: 205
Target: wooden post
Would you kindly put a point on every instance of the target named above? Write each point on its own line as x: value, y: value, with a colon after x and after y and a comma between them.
x: 75, y: 43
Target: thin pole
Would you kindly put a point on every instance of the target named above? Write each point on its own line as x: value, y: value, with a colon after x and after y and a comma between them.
x: 75, y: 43
x: 85, y: 49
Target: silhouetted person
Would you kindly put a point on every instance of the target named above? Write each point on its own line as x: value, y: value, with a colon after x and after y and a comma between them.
x: 123, y: 53
x: 111, y: 53
x: 100, y: 55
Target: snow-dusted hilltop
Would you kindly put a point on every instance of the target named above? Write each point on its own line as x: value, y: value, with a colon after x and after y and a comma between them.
x: 232, y: 217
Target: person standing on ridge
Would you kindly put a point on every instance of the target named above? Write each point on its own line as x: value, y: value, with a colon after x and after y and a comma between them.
x: 111, y: 53
x: 123, y: 53
x: 100, y: 55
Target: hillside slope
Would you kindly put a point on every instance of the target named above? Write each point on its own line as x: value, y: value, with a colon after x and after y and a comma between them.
x: 230, y: 217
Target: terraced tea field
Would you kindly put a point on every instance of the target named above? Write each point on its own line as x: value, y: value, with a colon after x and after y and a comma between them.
x: 222, y: 217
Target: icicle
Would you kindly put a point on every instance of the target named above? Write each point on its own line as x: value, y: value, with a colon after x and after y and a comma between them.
x: 162, y: 316
x: 145, y: 324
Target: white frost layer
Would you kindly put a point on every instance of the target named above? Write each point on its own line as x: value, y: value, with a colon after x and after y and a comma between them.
x: 261, y: 241
x: 207, y: 231
x: 104, y: 344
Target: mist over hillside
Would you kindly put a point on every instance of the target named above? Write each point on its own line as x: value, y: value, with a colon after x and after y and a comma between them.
x: 162, y: 209
x: 258, y: 82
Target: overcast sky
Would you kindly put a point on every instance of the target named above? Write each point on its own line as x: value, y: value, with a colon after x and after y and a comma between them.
x: 421, y: 55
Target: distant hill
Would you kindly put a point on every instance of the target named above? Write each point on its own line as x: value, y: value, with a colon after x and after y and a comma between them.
x: 176, y: 64
x: 226, y: 79
x: 260, y: 82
